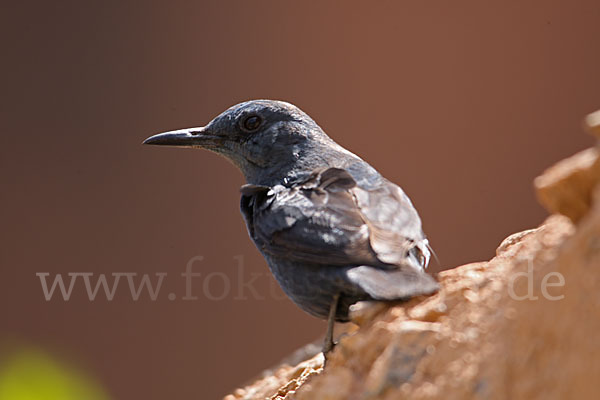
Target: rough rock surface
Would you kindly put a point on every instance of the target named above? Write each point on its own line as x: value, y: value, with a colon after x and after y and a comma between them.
x: 523, y: 325
x: 592, y: 124
x: 567, y: 187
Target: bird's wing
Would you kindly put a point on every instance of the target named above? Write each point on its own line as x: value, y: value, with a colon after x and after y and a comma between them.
x: 329, y: 219
x: 395, y: 232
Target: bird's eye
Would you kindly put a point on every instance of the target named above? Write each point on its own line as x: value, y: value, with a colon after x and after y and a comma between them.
x: 251, y: 123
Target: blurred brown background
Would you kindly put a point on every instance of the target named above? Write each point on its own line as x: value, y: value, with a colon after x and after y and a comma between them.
x: 462, y: 103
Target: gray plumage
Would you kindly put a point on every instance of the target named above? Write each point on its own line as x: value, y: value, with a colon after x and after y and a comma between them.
x: 332, y: 229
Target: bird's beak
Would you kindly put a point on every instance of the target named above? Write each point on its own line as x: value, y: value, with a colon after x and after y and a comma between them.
x: 191, y: 137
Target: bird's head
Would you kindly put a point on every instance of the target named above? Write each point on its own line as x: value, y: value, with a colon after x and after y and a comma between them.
x: 266, y: 139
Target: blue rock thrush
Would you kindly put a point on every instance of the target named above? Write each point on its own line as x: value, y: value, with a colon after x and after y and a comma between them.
x: 331, y: 228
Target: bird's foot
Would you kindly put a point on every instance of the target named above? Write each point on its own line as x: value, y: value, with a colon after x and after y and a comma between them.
x: 327, y: 349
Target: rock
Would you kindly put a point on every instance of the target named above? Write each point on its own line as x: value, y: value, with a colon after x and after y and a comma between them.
x: 591, y: 124
x: 281, y: 383
x: 567, y: 186
x: 523, y: 325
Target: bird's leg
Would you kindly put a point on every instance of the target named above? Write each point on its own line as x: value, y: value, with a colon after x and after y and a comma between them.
x: 328, y: 344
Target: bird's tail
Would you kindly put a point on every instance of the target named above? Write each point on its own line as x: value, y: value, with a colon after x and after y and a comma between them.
x: 398, y: 284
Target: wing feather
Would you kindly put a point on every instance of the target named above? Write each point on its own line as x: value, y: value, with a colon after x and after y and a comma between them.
x: 329, y: 219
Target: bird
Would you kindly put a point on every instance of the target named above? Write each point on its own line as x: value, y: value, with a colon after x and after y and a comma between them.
x: 332, y: 229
